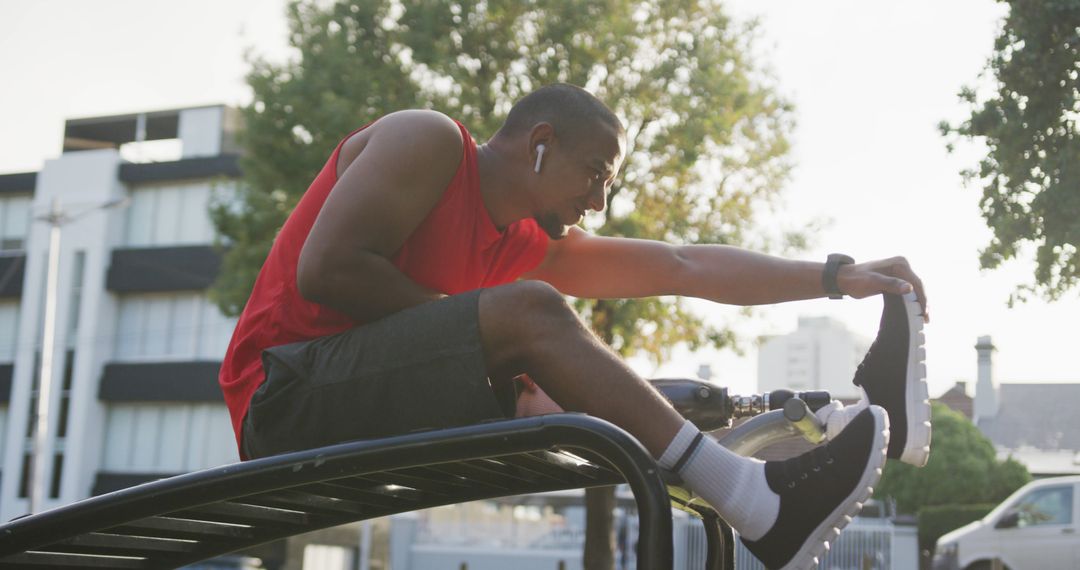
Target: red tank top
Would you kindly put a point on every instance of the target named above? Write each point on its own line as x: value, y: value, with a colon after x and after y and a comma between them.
x: 457, y: 248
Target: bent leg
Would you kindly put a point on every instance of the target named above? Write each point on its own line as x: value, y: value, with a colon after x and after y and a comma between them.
x: 421, y: 368
x: 528, y: 328
x: 786, y: 512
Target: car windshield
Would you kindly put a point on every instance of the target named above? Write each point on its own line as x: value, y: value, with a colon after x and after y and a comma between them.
x: 1052, y: 505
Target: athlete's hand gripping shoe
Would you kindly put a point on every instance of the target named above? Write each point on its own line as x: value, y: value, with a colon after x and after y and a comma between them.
x: 821, y: 490
x: 893, y: 376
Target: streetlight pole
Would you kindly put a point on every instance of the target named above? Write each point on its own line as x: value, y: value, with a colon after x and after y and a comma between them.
x: 56, y: 218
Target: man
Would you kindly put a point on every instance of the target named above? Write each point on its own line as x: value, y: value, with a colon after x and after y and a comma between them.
x: 420, y: 271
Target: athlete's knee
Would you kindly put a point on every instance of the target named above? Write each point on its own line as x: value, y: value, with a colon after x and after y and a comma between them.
x: 532, y: 303
x: 524, y: 312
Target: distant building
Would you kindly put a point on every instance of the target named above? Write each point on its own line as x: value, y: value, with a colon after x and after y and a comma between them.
x: 1033, y: 423
x: 138, y: 343
x: 957, y: 399
x: 821, y: 354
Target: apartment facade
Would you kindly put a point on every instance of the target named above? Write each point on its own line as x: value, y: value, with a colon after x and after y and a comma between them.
x: 821, y: 354
x: 137, y: 342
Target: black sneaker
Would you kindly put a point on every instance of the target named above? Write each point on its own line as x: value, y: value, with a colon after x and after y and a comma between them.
x: 893, y: 376
x: 820, y: 491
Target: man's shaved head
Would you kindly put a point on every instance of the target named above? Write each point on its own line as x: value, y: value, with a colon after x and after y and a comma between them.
x: 571, y: 110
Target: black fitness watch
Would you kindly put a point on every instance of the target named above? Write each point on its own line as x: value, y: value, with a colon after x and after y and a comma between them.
x: 828, y: 277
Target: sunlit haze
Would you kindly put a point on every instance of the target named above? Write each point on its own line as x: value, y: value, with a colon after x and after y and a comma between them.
x: 870, y: 82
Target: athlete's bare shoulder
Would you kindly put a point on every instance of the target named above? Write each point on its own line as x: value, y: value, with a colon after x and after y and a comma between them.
x: 428, y: 136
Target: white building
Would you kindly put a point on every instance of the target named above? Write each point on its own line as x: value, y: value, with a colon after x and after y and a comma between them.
x: 821, y: 354
x: 1030, y: 422
x: 138, y: 344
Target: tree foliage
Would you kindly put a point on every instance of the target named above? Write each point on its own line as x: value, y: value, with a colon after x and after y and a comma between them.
x: 706, y: 149
x: 963, y: 469
x: 1030, y: 176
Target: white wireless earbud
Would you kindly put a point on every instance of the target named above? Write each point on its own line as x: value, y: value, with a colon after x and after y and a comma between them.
x: 539, y: 157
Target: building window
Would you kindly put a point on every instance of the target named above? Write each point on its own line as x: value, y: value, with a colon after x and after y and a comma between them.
x: 170, y: 215
x: 170, y: 326
x: 9, y: 330
x: 166, y: 438
x: 31, y: 427
x: 14, y: 222
x: 65, y: 394
x: 24, y: 481
x: 78, y: 268
x: 57, y: 475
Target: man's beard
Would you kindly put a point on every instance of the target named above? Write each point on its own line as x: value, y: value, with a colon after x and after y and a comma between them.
x: 552, y: 225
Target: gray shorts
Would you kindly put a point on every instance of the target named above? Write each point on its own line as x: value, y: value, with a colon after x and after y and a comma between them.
x: 421, y: 368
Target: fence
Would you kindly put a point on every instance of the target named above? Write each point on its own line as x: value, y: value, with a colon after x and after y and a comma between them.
x: 866, y: 544
x: 419, y: 543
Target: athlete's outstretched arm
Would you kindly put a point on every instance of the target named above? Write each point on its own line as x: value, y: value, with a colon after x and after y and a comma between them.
x: 584, y: 265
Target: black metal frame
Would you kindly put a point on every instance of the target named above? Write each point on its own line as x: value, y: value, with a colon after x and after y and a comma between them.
x: 192, y: 517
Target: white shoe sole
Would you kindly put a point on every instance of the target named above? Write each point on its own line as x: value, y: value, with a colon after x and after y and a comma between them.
x: 817, y: 544
x: 917, y: 445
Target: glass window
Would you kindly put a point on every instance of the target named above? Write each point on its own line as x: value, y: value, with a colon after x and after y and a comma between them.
x: 78, y: 269
x: 167, y: 222
x: 195, y: 227
x: 57, y: 476
x: 185, y: 324
x: 129, y: 332
x: 172, y: 215
x: 1052, y: 505
x: 140, y: 219
x: 166, y: 438
x: 14, y: 222
x: 9, y: 330
x: 24, y: 481
x: 157, y: 324
x: 214, y: 331
x: 170, y: 326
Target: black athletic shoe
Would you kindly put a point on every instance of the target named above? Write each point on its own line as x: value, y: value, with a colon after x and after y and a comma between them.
x: 820, y: 491
x: 893, y: 376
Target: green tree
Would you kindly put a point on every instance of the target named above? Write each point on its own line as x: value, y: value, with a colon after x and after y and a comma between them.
x: 963, y: 469
x: 1030, y: 176
x: 706, y: 143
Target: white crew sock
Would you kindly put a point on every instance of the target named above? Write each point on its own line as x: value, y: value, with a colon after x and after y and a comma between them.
x: 734, y: 485
x: 836, y: 416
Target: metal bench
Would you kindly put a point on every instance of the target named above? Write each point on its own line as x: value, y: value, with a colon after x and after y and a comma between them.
x: 196, y: 516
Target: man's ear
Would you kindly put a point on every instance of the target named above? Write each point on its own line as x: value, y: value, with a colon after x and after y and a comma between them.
x: 541, y: 134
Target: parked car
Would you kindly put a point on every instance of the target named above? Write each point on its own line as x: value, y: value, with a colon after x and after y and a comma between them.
x: 1034, y: 528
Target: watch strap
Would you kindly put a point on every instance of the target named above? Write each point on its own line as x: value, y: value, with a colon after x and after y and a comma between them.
x: 828, y: 276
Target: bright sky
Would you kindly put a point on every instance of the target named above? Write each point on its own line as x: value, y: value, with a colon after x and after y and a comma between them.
x: 870, y: 82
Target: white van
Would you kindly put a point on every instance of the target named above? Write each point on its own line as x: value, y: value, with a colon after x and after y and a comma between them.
x: 1035, y: 528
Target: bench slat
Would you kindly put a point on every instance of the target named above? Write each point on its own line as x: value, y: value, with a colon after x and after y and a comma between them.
x: 63, y: 561
x: 307, y: 502
x: 239, y: 513
x: 118, y: 544
x: 169, y: 527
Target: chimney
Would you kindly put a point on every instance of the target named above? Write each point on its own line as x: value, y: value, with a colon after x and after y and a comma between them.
x: 986, y: 388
